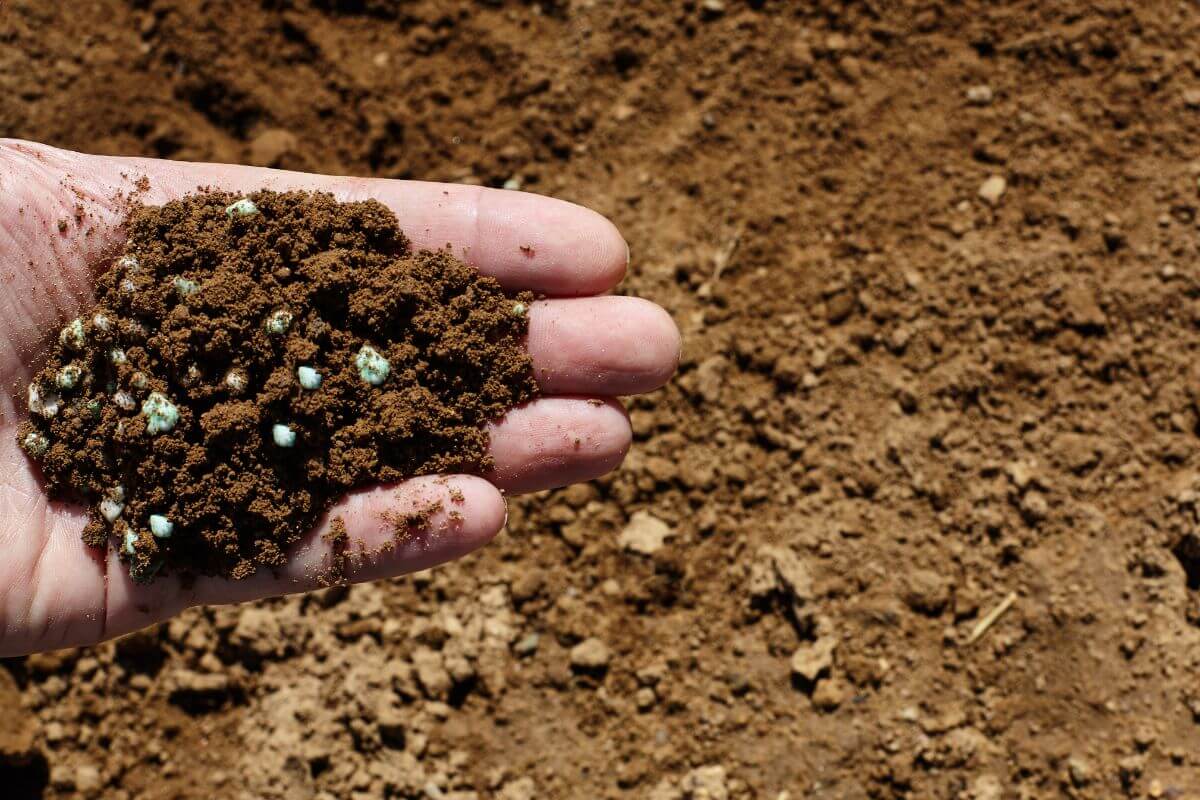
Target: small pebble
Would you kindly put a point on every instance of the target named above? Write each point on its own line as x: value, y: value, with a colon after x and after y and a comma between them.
x: 519, y: 309
x: 138, y: 380
x: 130, y: 542
x: 111, y: 508
x: 102, y: 322
x: 160, y: 412
x: 73, y: 336
x: 127, y: 285
x: 590, y: 654
x: 373, y: 368
x: 309, y: 378
x: 124, y: 400
x: 283, y: 435
x: 128, y: 262
x: 991, y: 190
x: 185, y: 287
x: 527, y: 645
x: 161, y: 527
x: 117, y: 356
x: 68, y: 377
x: 44, y: 404
x: 235, y: 380
x: 279, y: 322
x: 35, y: 444
x: 242, y: 208
x: 980, y: 95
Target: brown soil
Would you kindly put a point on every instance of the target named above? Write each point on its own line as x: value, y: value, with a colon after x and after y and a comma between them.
x: 900, y: 402
x: 180, y: 399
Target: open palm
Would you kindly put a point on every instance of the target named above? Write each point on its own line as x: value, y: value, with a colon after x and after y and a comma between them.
x: 60, y: 215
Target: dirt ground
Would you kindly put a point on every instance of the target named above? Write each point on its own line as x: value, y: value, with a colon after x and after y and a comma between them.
x: 936, y: 269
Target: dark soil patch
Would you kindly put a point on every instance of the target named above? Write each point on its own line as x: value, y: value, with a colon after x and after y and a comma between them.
x: 249, y: 360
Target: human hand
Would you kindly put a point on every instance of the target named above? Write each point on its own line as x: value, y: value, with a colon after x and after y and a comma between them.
x: 59, y: 216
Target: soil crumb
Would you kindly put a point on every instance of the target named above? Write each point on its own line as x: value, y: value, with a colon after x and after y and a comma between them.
x: 249, y: 360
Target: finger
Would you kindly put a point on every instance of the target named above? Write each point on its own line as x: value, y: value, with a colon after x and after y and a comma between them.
x: 602, y: 345
x: 390, y: 531
x: 525, y: 241
x: 556, y: 441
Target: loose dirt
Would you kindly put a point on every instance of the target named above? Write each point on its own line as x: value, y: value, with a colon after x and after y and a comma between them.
x: 251, y: 359
x: 908, y: 390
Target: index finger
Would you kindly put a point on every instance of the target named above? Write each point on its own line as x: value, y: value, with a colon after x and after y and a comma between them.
x: 525, y: 241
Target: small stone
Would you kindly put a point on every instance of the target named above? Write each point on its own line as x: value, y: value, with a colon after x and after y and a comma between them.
x: 713, y: 6
x: 242, y: 208
x: 527, y: 645
x: 235, y: 380
x: 117, y: 356
x: 979, y: 95
x: 645, y: 534
x: 111, y: 509
x: 520, y: 789
x: 35, y: 444
x: 283, y: 435
x: 160, y: 412
x: 991, y: 190
x: 129, y: 263
x: 926, y: 591
x: 124, y: 401
x: 431, y: 672
x: 88, y: 780
x: 112, y: 505
x: 73, y: 336
x: 1034, y: 506
x: 43, y: 404
x: 1079, y: 770
x: 811, y: 660
x: 101, y: 322
x: 645, y: 698
x: 130, y: 542
x: 161, y: 527
x: 779, y: 569
x: 519, y: 309
x: 372, y: 367
x: 185, y: 287
x: 279, y: 322
x: 68, y: 377
x: 590, y: 654
x: 987, y: 787
x: 138, y: 380
x: 706, y: 783
x: 309, y: 378
x: 513, y: 184
x: 1191, y: 98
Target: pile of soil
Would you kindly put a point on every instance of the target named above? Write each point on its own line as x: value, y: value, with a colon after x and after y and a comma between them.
x: 900, y: 403
x: 249, y: 360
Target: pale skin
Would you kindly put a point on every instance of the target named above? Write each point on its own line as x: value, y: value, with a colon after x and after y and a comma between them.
x: 588, y: 348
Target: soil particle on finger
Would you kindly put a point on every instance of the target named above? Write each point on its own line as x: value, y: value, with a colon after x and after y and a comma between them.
x: 249, y: 360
